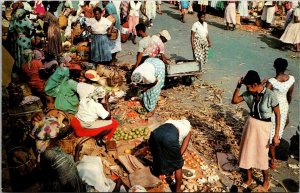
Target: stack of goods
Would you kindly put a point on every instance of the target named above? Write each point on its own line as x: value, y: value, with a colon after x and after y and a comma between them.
x: 198, y: 175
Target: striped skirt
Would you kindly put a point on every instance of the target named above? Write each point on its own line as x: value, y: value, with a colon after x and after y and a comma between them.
x: 100, y: 48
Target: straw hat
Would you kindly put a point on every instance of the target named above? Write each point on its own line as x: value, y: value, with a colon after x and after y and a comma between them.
x: 92, y: 75
x: 165, y: 34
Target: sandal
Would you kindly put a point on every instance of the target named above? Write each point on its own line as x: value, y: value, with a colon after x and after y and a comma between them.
x: 226, y: 28
x: 272, y: 164
x: 245, y: 186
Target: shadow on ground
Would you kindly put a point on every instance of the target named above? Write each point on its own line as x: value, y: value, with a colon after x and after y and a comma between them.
x: 291, y: 185
x: 172, y: 14
x: 270, y: 41
x: 218, y: 25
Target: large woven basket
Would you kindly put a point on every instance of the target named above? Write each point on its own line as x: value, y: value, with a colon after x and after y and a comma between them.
x: 22, y: 169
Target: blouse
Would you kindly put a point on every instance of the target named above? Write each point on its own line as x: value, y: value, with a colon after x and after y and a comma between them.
x: 98, y: 27
x: 134, y: 8
x: 263, y: 109
x: 200, y: 29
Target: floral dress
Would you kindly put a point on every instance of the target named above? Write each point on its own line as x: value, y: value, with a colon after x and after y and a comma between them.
x: 281, y: 89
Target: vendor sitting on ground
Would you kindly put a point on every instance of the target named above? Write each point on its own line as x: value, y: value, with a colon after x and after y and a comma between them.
x: 92, y: 119
x: 62, y: 86
x: 150, y: 77
x: 167, y: 144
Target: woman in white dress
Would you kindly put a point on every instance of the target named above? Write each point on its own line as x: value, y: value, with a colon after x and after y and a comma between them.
x: 230, y: 15
x: 150, y: 11
x: 268, y: 14
x: 243, y: 9
x: 283, y: 86
x: 291, y: 34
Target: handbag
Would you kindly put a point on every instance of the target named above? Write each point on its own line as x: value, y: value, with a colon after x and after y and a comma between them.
x: 114, y: 33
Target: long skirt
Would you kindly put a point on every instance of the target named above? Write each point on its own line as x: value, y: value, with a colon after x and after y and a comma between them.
x: 100, y: 49
x: 165, y: 149
x: 132, y: 22
x: 150, y: 97
x: 54, y: 40
x: 268, y: 14
x: 151, y: 9
x: 243, y: 8
x: 97, y: 128
x: 291, y: 34
x: 22, y: 43
x: 201, y: 50
x: 116, y: 44
x: 230, y: 13
x: 254, y: 146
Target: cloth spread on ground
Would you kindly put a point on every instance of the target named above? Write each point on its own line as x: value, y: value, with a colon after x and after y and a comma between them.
x: 90, y: 170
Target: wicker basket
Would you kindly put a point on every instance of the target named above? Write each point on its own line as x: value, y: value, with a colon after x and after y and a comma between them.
x: 25, y: 168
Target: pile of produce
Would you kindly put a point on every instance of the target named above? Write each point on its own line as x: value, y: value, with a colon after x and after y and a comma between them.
x: 131, y: 134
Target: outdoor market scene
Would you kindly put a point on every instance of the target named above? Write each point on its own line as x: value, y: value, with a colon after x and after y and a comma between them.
x: 150, y: 96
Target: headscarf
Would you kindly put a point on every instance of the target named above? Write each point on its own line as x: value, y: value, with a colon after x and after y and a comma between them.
x: 28, y: 53
x: 98, y: 93
x: 136, y: 77
x: 65, y: 60
x: 38, y: 55
x: 20, y: 13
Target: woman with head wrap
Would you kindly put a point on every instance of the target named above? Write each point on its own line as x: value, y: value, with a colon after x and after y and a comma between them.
x: 62, y: 86
x: 151, y: 77
x: 92, y: 118
x: 167, y: 144
x: 22, y: 27
x: 31, y: 69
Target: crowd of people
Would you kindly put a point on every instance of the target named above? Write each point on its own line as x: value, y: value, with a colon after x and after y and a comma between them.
x: 41, y: 43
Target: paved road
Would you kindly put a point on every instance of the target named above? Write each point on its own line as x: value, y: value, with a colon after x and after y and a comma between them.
x: 234, y: 53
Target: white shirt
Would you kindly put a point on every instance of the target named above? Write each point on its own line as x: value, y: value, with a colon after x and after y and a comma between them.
x: 200, y: 29
x: 147, y: 71
x: 98, y: 27
x: 135, y: 8
x: 183, y: 126
x: 84, y: 89
x: 68, y: 4
x: 144, y: 45
x: 90, y: 111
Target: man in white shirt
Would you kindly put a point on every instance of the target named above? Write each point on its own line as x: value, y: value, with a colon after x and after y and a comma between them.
x: 142, y: 54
